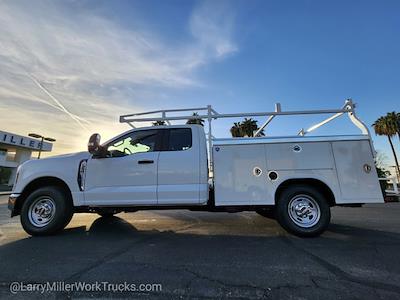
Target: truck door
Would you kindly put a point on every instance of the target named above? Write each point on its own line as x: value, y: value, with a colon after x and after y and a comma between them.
x: 128, y: 175
x: 179, y: 167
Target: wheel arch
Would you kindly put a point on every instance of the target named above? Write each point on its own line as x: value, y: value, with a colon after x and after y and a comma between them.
x: 38, y: 183
x: 316, y: 183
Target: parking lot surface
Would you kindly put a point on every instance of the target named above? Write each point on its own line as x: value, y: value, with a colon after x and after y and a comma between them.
x: 208, y: 255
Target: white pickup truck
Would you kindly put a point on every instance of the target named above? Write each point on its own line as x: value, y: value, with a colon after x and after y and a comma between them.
x: 294, y: 179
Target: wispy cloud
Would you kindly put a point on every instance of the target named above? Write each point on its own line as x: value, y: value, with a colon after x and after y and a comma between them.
x: 212, y: 24
x: 66, y: 72
x: 58, y: 103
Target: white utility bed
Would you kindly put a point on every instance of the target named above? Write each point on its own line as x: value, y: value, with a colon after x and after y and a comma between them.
x: 242, y: 167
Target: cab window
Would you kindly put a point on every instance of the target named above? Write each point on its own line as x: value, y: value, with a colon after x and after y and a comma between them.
x: 135, y: 142
x: 179, y: 139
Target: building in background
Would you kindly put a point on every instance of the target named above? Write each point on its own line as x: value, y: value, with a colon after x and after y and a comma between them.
x: 14, y: 150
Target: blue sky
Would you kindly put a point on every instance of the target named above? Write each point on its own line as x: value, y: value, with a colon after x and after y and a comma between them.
x: 100, y: 59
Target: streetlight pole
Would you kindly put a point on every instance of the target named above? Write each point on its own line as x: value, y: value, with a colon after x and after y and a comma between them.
x: 42, y: 138
x: 41, y: 147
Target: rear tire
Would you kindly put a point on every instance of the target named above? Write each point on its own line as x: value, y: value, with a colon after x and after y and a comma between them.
x: 46, y: 211
x: 303, y: 211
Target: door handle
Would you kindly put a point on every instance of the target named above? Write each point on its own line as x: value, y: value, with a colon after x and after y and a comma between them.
x: 145, y: 161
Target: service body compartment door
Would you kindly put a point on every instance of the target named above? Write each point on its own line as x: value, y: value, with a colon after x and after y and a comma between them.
x: 236, y: 174
x: 299, y: 156
x: 356, y: 172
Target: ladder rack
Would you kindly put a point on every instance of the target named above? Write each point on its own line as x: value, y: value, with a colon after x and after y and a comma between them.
x: 209, y: 114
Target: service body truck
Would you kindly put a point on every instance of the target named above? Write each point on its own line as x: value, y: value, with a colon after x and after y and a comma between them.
x: 294, y: 179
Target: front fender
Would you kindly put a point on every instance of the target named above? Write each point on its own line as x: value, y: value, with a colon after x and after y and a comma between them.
x: 64, y: 168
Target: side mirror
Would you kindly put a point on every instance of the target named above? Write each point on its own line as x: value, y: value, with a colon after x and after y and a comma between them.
x: 94, y: 143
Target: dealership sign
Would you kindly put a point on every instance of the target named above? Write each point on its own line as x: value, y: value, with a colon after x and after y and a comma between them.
x: 23, y: 142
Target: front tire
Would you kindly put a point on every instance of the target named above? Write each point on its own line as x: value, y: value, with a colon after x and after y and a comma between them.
x: 46, y: 211
x: 303, y: 211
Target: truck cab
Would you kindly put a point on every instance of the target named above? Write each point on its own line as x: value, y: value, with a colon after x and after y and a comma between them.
x: 149, y: 166
x: 144, y: 167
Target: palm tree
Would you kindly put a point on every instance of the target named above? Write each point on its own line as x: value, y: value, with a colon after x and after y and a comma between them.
x: 245, y: 128
x: 385, y: 126
x: 195, y: 120
x: 394, y: 121
x: 398, y: 124
x: 249, y: 126
x: 159, y: 123
x: 236, y: 130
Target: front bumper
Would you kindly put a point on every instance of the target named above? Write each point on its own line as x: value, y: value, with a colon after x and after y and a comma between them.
x: 12, y: 201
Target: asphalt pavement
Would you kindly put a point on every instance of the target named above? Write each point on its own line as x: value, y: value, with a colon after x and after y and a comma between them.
x: 206, y: 256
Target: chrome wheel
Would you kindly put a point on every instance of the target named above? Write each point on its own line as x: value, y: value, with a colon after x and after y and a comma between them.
x: 304, y: 211
x: 42, y: 211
